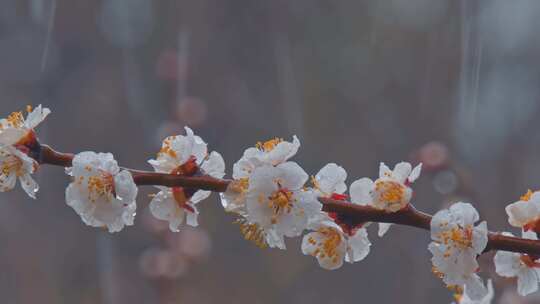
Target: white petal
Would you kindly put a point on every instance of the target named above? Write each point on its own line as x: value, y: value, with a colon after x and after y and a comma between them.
x: 475, y: 289
x: 35, y: 117
x: 163, y: 207
x: 465, y: 213
x: 521, y: 212
x: 125, y: 187
x: 29, y: 185
x: 283, y: 151
x: 527, y: 282
x: 480, y: 237
x: 415, y: 174
x: 359, y: 246
x: 199, y: 196
x: 401, y: 171
x: 384, y: 171
x: 441, y: 221
x: 331, y: 179
x: 360, y: 191
x: 383, y: 228
x: 192, y: 218
x: 11, y: 136
x: 291, y: 175
x: 507, y: 264
x: 214, y: 165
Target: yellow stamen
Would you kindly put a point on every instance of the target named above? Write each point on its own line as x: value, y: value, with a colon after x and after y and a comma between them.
x: 527, y: 196
x: 166, y: 148
x: 252, y: 232
x: 281, y: 201
x: 328, y: 246
x: 101, y: 186
x: 15, y: 120
x: 269, y: 145
x: 390, y: 192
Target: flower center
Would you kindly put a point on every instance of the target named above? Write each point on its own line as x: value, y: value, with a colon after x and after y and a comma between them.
x: 100, y: 186
x: 240, y: 185
x: 166, y: 148
x: 15, y: 120
x: 11, y: 164
x: 389, y: 192
x: 280, y: 201
x: 457, y: 237
x: 327, y: 248
x: 269, y: 145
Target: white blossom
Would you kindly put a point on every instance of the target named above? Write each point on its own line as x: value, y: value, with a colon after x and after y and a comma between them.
x: 390, y: 192
x: 269, y: 153
x: 524, y: 267
x: 15, y: 164
x: 525, y: 213
x: 277, y: 203
x: 101, y: 193
x: 330, y: 245
x: 183, y: 155
x: 15, y: 128
x: 456, y: 245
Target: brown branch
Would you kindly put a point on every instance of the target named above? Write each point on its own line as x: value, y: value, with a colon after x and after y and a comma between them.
x: 355, y: 214
x: 409, y: 216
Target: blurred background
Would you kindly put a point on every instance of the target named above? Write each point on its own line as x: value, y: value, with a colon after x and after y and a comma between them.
x: 454, y: 84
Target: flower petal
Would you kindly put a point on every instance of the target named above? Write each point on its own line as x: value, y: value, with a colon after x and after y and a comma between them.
x: 29, y: 185
x: 415, y: 174
x: 383, y: 228
x: 527, y: 282
x: 359, y: 246
x: 401, y: 171
x: 331, y: 179
x: 360, y: 191
x: 35, y: 117
x: 214, y: 165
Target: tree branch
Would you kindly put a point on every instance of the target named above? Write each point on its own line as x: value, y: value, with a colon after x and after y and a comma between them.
x: 355, y: 214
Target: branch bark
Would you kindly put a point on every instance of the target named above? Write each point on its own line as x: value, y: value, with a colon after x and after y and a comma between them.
x: 355, y: 213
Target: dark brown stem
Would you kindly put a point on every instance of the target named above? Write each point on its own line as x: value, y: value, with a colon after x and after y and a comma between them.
x: 355, y: 214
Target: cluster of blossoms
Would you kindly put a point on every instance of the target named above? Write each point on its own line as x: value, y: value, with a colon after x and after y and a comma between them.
x: 274, y: 198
